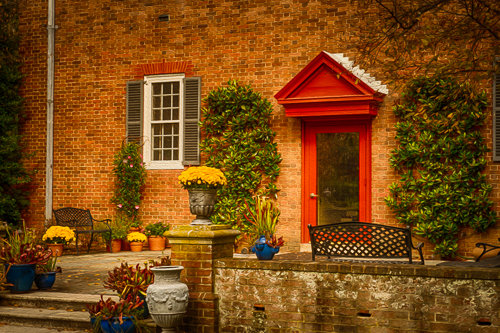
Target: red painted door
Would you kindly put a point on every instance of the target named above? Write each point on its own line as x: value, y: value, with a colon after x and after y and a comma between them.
x: 336, y: 178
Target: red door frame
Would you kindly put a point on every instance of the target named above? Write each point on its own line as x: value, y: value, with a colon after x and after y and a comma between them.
x: 309, y: 130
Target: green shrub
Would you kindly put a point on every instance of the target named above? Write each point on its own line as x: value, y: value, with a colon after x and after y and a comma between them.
x: 239, y: 141
x: 440, y: 159
x: 14, y: 196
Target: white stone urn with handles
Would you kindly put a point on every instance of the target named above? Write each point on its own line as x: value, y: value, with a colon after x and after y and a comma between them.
x: 167, y: 297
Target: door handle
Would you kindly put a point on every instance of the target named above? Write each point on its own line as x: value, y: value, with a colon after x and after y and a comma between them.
x: 313, y: 196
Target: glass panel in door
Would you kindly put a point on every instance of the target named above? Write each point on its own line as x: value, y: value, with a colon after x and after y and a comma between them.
x: 337, y: 177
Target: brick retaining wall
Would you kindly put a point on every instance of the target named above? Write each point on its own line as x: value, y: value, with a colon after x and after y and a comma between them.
x: 290, y: 296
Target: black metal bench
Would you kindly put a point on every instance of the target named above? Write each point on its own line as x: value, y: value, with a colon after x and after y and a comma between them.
x: 82, y: 222
x: 487, y: 248
x: 349, y: 241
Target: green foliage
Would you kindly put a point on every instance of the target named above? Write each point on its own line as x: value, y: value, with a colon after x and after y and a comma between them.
x: 130, y: 179
x: 13, y: 176
x: 156, y: 229
x: 263, y: 217
x: 440, y: 159
x: 239, y: 141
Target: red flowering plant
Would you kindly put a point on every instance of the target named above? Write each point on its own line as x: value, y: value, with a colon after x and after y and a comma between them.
x: 110, y: 309
x: 20, y: 248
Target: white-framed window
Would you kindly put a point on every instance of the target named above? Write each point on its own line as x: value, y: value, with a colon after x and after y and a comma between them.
x: 163, y: 113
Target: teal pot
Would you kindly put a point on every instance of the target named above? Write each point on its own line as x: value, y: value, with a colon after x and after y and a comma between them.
x: 113, y: 325
x: 45, y: 281
x: 21, y: 276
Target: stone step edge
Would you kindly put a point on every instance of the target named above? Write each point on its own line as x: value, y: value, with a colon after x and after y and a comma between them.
x: 45, y: 318
x: 47, y: 299
x: 57, y: 318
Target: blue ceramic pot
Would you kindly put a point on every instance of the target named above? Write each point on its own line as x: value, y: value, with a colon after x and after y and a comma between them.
x: 45, y: 280
x: 113, y: 325
x: 264, y: 251
x: 21, y: 276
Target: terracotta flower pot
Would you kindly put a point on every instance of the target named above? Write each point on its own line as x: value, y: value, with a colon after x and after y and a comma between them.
x: 116, y: 245
x: 136, y: 246
x: 57, y: 249
x: 156, y: 243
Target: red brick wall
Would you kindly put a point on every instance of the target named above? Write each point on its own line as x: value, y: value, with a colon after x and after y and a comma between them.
x: 101, y: 44
x: 290, y: 296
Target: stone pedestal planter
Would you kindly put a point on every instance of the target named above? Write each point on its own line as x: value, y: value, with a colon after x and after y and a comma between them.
x: 167, y: 297
x: 201, y: 204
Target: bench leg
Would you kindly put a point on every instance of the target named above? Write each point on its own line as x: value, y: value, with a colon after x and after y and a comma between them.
x: 77, y: 252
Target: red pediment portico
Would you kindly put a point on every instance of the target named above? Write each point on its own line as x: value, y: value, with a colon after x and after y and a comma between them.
x: 329, y: 86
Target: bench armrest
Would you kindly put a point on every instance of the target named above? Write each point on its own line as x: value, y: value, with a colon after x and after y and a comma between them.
x: 486, y: 248
x: 419, y: 249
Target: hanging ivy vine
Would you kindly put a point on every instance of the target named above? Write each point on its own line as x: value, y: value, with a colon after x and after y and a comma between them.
x: 14, y: 178
x: 239, y: 141
x: 130, y: 172
x: 440, y: 159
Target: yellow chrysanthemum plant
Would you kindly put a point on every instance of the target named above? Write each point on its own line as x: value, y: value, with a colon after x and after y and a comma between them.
x: 136, y: 237
x: 58, y: 235
x: 202, y: 177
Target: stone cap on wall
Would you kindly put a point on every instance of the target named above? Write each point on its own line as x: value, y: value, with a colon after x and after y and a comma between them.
x: 201, y: 234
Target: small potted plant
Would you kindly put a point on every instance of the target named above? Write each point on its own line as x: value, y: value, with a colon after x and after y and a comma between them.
x: 155, y: 231
x: 56, y: 237
x: 136, y: 240
x: 202, y: 184
x: 263, y: 219
x: 109, y: 316
x: 128, y: 280
x: 20, y: 255
x: 45, y: 273
x: 118, y: 234
x: 135, y: 225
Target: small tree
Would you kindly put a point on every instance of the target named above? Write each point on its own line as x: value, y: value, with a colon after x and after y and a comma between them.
x: 440, y: 159
x: 239, y: 141
x: 13, y: 176
x: 130, y: 180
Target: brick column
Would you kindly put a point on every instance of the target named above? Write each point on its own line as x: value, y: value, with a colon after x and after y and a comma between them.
x: 196, y: 247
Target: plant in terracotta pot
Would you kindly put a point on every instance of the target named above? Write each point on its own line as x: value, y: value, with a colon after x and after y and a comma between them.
x: 56, y: 237
x: 155, y: 232
x: 45, y: 273
x: 202, y: 183
x: 109, y: 316
x: 136, y: 240
x: 20, y: 255
x: 263, y: 219
x: 118, y: 233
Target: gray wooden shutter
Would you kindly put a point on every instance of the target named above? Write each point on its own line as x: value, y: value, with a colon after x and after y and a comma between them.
x: 496, y: 112
x: 135, y: 102
x: 192, y: 103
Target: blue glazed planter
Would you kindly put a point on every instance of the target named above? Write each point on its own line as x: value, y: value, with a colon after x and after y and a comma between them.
x: 45, y: 280
x: 264, y: 251
x: 21, y: 276
x: 113, y: 325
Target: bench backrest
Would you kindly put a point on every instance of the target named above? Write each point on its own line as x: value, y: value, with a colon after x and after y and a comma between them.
x: 73, y: 217
x: 359, y: 239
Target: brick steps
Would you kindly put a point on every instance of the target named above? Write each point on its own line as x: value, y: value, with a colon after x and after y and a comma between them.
x: 49, y: 310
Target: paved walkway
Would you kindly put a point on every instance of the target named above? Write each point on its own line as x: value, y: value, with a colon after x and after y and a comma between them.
x: 85, y: 273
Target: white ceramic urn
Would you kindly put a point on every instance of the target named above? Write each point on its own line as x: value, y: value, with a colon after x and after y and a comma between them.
x: 167, y: 297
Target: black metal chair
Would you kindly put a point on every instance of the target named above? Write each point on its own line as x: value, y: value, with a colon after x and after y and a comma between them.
x: 82, y: 222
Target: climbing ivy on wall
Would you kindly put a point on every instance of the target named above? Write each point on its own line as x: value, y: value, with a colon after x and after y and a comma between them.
x: 239, y: 141
x: 13, y: 176
x: 440, y: 159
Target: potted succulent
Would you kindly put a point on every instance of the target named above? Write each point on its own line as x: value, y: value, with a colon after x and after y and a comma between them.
x: 136, y: 240
x: 56, y: 237
x: 132, y: 281
x: 263, y: 219
x: 202, y: 183
x: 45, y: 273
x: 108, y: 316
x: 20, y: 255
x: 155, y: 231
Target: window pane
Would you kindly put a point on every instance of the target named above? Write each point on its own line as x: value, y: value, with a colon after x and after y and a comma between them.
x: 175, y: 115
x: 176, y: 141
x: 156, y: 88
x: 167, y: 143
x: 156, y: 155
x: 175, y: 87
x: 175, y: 128
x: 156, y: 129
x: 167, y: 101
x: 167, y: 155
x: 176, y: 154
x: 157, y: 114
x: 157, y: 142
x: 166, y: 88
x: 167, y: 115
x: 156, y: 101
x: 175, y: 100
